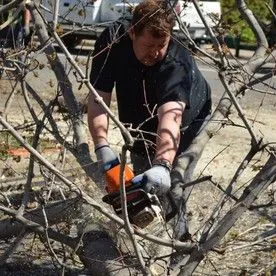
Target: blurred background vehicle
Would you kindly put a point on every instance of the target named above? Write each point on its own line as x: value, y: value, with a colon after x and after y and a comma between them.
x: 211, y: 10
x: 85, y: 19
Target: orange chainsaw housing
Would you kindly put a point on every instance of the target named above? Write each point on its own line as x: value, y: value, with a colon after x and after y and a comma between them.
x: 112, y: 177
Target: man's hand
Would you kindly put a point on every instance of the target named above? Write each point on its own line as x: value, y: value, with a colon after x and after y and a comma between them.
x: 157, y: 179
x: 26, y: 30
x: 106, y: 157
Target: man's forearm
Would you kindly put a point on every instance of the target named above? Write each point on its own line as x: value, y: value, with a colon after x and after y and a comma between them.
x: 97, y: 119
x: 167, y: 141
x: 27, y: 17
x: 168, y: 133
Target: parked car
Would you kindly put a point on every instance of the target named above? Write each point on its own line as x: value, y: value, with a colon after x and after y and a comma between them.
x: 211, y: 10
x: 88, y: 17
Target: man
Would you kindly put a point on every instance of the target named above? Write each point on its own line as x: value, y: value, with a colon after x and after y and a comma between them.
x: 160, y: 92
x: 17, y: 33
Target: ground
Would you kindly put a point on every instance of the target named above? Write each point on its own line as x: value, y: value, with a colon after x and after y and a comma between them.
x: 246, y: 251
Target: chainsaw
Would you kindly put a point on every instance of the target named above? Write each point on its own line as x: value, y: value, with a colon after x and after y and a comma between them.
x: 142, y: 207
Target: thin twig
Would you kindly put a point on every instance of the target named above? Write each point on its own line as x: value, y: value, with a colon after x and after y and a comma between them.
x: 127, y: 226
x: 228, y: 89
x: 209, y: 30
x: 185, y: 247
x: 98, y: 99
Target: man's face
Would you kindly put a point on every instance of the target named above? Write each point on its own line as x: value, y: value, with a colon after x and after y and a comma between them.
x: 148, y: 49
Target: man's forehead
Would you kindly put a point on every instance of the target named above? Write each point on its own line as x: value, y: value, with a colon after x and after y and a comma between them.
x: 147, y: 34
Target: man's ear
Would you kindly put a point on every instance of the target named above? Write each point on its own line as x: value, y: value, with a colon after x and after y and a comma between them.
x: 131, y: 33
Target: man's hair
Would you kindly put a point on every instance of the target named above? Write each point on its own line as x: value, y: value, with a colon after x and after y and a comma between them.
x: 156, y: 16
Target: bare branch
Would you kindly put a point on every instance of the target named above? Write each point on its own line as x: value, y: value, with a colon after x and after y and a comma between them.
x: 128, y: 227
x: 263, y: 179
x: 255, y: 27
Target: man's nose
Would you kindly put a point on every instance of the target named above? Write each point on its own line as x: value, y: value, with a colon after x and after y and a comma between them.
x: 155, y: 52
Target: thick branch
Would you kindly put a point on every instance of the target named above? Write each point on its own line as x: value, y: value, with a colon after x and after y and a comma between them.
x: 170, y: 243
x: 83, y: 156
x: 56, y: 212
x: 262, y: 180
x: 255, y: 27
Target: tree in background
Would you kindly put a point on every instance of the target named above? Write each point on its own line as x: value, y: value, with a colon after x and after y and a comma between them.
x: 234, y: 23
x: 272, y: 33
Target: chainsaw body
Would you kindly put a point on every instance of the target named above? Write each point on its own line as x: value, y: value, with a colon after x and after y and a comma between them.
x: 142, y: 207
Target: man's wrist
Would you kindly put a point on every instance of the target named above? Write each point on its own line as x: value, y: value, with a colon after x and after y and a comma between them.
x: 100, y: 146
x: 162, y: 162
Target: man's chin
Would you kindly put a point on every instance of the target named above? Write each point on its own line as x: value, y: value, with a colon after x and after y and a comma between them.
x: 149, y: 62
